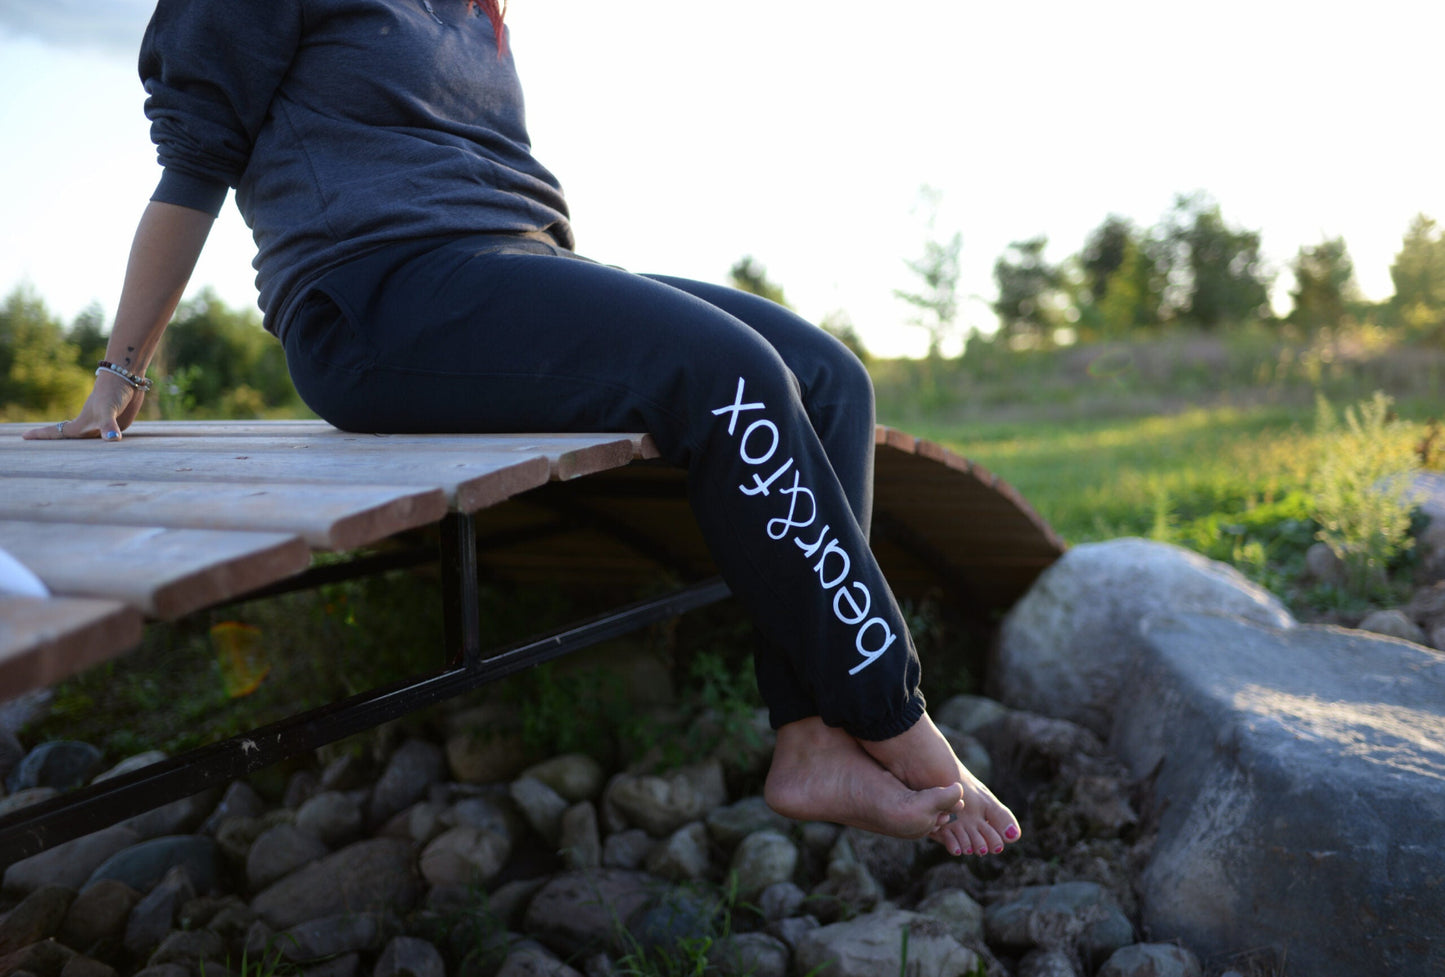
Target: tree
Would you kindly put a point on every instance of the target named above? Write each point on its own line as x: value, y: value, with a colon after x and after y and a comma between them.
x: 88, y: 335
x: 1123, y: 279
x: 748, y: 276
x: 838, y: 325
x: 221, y: 362
x: 1418, y: 272
x: 1325, y: 287
x: 1027, y: 289
x: 937, y: 301
x: 38, y: 372
x: 1216, y: 273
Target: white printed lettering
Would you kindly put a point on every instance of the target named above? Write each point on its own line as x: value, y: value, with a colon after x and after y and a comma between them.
x: 743, y: 443
x: 832, y: 547
x: 858, y: 613
x: 736, y: 408
x: 761, y: 487
x: 869, y: 657
x: 778, y: 528
x: 810, y: 548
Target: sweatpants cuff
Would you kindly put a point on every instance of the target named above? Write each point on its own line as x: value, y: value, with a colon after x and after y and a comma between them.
x: 899, y: 723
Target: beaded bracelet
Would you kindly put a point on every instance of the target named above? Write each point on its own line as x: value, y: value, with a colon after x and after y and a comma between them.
x: 138, y: 382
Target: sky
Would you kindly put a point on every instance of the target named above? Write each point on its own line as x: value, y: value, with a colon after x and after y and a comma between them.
x: 690, y: 134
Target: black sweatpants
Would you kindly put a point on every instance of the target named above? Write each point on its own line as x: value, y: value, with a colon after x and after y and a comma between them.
x: 771, y: 417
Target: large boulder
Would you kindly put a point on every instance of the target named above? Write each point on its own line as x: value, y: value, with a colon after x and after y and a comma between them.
x: 1066, y: 647
x: 1298, y: 776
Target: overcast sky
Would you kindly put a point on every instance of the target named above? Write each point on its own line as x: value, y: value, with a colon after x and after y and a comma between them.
x: 688, y: 134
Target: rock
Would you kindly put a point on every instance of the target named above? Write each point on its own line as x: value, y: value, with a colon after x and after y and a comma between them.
x: 849, y: 887
x: 414, y: 767
x: 627, y: 849
x: 762, y: 859
x: 873, y: 945
x: 579, y: 840
x: 179, y: 817
x: 485, y: 757
x: 540, y: 805
x: 1394, y: 623
x: 960, y: 915
x: 732, y: 823
x: 682, y: 856
x: 165, y: 970
x: 419, y: 823
x: 69, y: 864
x: 79, y: 966
x: 278, y: 852
x: 300, y: 788
x: 406, y: 956
x: 492, y: 813
x: 952, y: 875
x: 1067, y: 916
x: 465, y: 856
x: 1323, y: 566
x: 331, y: 936
x: 348, y: 965
x: 98, y: 916
x: 348, y: 771
x: 44, y: 959
x: 374, y: 875
x: 1047, y: 963
x: 332, y: 816
x: 968, y: 713
x: 187, y: 947
x: 661, y: 805
x: 1066, y: 647
x: 131, y: 764
x: 749, y: 955
x: 143, y: 865
x: 579, y: 911
x: 11, y: 753
x: 528, y: 959
x: 239, y: 800
x: 1311, y: 752
x: 155, y: 914
x: 575, y: 776
x: 38, y: 916
x: 1430, y: 553
x: 1151, y: 960
x: 819, y: 836
x: 970, y: 752
x: 890, y: 861
x: 675, y: 919
x: 1102, y: 803
x: 792, y: 930
x: 22, y: 799
x: 780, y: 900
x: 61, y: 764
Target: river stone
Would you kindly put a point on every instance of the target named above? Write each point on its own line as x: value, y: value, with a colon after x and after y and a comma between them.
x: 662, y: 804
x: 143, y: 865
x: 1312, y: 752
x: 579, y: 841
x: 69, y: 864
x: 968, y: 713
x: 188, y: 947
x: 848, y: 888
x: 1066, y: 916
x: 176, y: 818
x: 465, y: 856
x: 529, y: 959
x: 1394, y: 623
x: 581, y: 911
x: 22, y: 799
x: 330, y: 936
x: 957, y: 911
x: 378, y: 874
x: 278, y: 852
x: 98, y: 916
x: 762, y: 859
x: 1047, y: 963
x: 414, y: 767
x: 682, y: 856
x: 749, y: 955
x: 873, y: 944
x: 732, y: 823
x: 1066, y: 647
x: 970, y: 752
x: 406, y: 956
x: 238, y: 800
x: 576, y: 776
x: 889, y: 860
x: 155, y: 914
x: 62, y: 764
x: 38, y: 916
x: 1151, y: 960
x: 80, y: 966
x: 780, y: 900
x: 11, y: 753
x: 44, y: 959
x: 677, y: 917
x: 541, y: 806
x: 332, y: 816
x: 627, y: 849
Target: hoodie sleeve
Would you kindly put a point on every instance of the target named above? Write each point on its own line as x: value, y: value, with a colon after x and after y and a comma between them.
x: 210, y: 69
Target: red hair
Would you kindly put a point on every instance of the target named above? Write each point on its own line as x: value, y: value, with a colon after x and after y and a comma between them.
x: 495, y: 11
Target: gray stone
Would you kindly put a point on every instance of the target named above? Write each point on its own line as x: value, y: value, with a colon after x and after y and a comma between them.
x: 889, y: 860
x: 682, y: 856
x: 1047, y: 963
x: 732, y: 823
x: 496, y: 814
x: 278, y: 852
x: 187, y: 947
x: 483, y: 745
x: 131, y: 764
x: 414, y: 767
x: 968, y: 713
x: 762, y: 859
x: 38, y: 916
x: 970, y: 752
x: 1067, y: 916
x: 1151, y: 960
x: 69, y: 864
x: 347, y: 772
x: 848, y: 889
x: 580, y: 911
x: 1066, y: 647
x: 1394, y: 623
x: 235, y: 836
x: 331, y: 936
x: 28, y: 797
x: 11, y: 753
x: 576, y: 776
x: 165, y: 970
x: 44, y: 959
x: 465, y: 856
x: 819, y: 836
x: 541, y: 806
x: 1286, y: 754
x: 62, y: 764
x: 238, y: 800
x: 143, y: 865
x: 155, y: 914
x: 79, y: 966
x: 873, y: 945
x: 792, y: 930
x: 374, y: 875
x: 749, y: 955
x: 332, y: 816
x: 528, y: 959
x: 579, y: 840
x: 300, y: 788
x: 780, y: 900
x: 1324, y: 566
x: 406, y: 956
x: 347, y: 965
x: 675, y: 917
x: 661, y: 805
x: 176, y: 818
x: 98, y: 916
x: 627, y: 849
x: 959, y: 913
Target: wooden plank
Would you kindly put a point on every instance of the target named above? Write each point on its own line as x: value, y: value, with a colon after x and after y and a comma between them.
x: 45, y: 640
x: 328, y: 517
x: 161, y: 572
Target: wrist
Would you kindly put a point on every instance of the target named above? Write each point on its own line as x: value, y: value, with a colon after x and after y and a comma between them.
x: 137, y: 381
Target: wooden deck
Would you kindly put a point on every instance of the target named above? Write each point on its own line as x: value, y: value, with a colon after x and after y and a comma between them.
x: 182, y: 516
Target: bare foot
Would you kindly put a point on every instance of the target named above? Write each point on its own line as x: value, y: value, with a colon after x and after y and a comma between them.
x: 821, y: 774
x: 920, y: 758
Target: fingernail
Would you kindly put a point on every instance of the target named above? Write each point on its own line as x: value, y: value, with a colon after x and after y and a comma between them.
x: 111, y: 435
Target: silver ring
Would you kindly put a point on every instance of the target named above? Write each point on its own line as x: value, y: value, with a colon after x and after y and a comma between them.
x: 60, y: 428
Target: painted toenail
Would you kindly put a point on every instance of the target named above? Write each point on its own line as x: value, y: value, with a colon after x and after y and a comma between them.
x: 998, y: 850
x: 1011, y: 833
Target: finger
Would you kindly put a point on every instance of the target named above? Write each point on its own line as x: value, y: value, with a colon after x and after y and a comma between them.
x: 50, y: 432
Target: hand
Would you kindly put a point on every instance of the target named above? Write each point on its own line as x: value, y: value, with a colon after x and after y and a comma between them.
x: 109, y: 409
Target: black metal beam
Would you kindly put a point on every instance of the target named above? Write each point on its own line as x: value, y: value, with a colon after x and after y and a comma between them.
x: 42, y: 826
